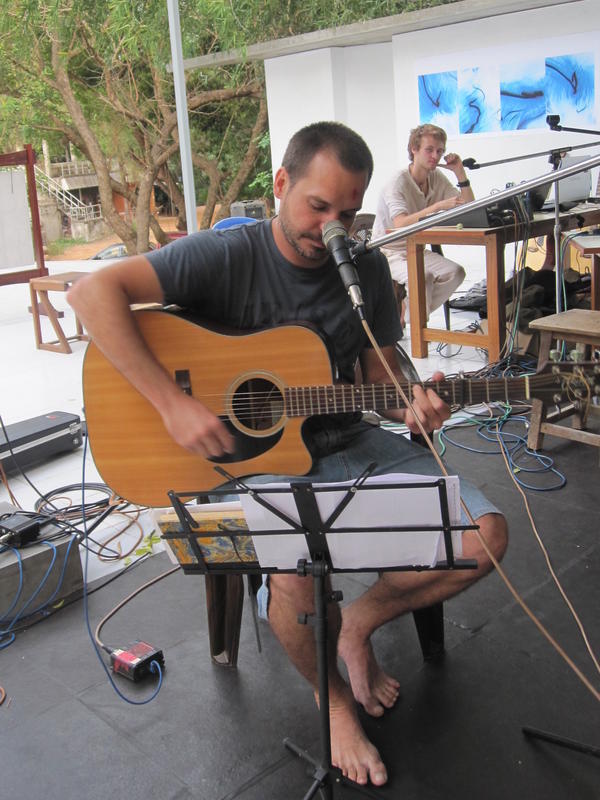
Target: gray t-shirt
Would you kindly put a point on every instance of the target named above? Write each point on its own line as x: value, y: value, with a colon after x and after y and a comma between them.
x: 238, y: 278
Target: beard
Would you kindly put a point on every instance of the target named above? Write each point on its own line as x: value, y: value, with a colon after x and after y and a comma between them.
x: 292, y: 236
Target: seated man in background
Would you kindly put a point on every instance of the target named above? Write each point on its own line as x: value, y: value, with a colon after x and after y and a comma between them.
x: 417, y: 192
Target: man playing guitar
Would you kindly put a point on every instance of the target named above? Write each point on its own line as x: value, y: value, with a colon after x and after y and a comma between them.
x: 278, y: 271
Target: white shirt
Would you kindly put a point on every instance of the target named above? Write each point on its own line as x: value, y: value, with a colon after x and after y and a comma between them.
x: 401, y: 195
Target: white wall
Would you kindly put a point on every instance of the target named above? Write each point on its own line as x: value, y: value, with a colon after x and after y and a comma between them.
x: 373, y: 88
x: 334, y: 84
x: 301, y: 88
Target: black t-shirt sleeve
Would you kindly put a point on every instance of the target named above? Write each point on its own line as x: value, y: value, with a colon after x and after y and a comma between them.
x: 189, y: 268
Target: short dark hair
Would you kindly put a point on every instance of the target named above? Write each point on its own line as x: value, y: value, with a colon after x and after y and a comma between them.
x: 347, y: 146
x: 414, y: 140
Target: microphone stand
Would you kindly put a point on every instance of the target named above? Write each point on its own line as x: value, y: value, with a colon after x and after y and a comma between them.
x: 555, y: 157
x: 445, y: 216
x: 555, y: 154
x: 552, y: 120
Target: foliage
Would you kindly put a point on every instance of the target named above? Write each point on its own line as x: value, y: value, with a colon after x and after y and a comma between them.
x: 93, y: 76
x: 58, y: 246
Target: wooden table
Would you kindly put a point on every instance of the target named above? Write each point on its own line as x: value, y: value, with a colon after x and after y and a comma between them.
x: 40, y: 304
x: 493, y: 240
x: 589, y: 245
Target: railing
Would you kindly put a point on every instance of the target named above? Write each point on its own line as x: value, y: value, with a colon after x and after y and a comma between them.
x: 67, y: 169
x: 67, y: 202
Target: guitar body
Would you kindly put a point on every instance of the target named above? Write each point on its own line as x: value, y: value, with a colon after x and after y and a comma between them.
x: 133, y: 452
x: 263, y: 386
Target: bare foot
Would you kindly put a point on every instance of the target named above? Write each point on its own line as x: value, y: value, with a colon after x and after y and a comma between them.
x: 374, y: 689
x: 351, y: 751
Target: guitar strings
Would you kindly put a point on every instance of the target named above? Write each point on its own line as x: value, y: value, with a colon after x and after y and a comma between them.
x: 543, y: 630
x: 262, y: 403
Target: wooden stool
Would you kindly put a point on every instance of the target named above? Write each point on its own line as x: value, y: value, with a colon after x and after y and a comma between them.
x: 40, y: 304
x: 579, y: 326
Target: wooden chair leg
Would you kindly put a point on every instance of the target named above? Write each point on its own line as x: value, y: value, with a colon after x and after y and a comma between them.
x: 430, y: 629
x: 535, y: 437
x: 224, y: 604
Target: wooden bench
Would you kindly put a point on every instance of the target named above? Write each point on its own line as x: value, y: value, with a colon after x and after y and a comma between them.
x: 41, y: 305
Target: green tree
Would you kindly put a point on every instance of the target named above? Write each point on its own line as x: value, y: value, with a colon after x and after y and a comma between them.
x: 94, y: 75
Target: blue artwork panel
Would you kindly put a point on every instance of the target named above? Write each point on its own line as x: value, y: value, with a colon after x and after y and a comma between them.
x: 522, y: 96
x: 478, y: 100
x: 511, y: 96
x: 438, y: 100
x: 570, y: 88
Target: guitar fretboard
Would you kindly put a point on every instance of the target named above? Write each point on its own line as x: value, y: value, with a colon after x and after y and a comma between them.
x: 304, y: 401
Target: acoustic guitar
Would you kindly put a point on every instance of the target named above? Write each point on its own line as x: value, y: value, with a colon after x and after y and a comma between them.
x: 263, y: 386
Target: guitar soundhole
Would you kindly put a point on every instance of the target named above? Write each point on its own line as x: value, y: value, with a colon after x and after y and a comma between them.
x: 257, y: 406
x: 255, y: 419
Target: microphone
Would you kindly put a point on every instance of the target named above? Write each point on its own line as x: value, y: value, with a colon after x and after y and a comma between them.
x: 336, y: 241
x: 553, y: 121
x: 470, y: 163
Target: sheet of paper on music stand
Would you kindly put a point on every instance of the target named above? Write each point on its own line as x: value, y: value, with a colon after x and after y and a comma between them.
x: 370, y: 508
x: 276, y: 550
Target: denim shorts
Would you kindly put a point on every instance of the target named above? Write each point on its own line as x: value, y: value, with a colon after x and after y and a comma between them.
x: 342, y: 453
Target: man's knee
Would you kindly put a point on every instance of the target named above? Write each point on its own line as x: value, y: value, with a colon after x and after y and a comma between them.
x: 291, y: 590
x: 493, y: 530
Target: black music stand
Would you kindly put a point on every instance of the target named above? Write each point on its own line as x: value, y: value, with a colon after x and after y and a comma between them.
x: 319, y: 565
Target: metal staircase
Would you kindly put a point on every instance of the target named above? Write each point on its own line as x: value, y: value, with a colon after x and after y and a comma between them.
x: 67, y: 202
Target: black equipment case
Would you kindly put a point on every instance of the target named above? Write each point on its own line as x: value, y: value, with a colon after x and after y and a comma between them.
x: 39, y: 438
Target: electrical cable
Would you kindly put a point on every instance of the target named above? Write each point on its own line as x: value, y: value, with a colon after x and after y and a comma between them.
x: 66, y: 604
x: 126, y: 600
x: 58, y: 516
x: 4, y: 479
x: 8, y: 632
x: 119, y: 533
x: 11, y: 451
x: 513, y: 445
x: 154, y: 666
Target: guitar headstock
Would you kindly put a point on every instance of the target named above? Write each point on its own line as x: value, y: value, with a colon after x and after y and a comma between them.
x: 567, y: 380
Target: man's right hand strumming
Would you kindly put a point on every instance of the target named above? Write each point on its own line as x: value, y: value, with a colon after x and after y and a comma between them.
x: 196, y: 428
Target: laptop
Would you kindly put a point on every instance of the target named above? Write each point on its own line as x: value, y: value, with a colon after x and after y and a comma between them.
x: 572, y: 190
x: 473, y: 218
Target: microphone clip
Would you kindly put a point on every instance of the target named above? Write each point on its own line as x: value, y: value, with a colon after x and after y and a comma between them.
x: 553, y: 120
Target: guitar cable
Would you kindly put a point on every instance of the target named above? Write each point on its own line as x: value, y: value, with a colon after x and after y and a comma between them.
x: 536, y: 621
x: 155, y: 661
